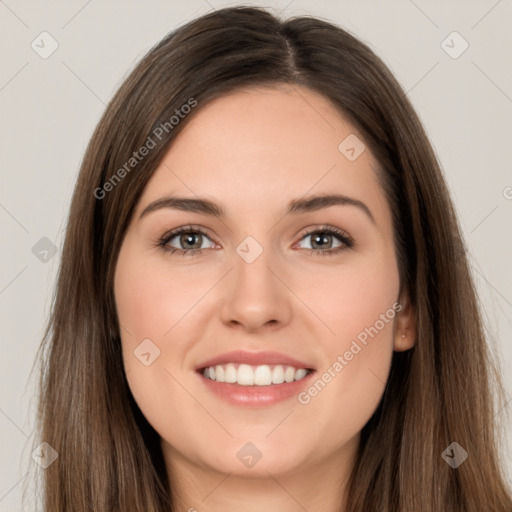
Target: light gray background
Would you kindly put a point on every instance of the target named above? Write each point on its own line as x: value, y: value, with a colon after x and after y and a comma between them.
x: 49, y: 107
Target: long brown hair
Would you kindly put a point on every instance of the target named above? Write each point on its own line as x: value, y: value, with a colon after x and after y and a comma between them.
x: 441, y: 391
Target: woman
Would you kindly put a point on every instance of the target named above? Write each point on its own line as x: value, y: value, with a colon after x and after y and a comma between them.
x: 200, y: 357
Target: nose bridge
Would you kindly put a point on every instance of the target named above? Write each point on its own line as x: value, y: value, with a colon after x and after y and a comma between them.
x: 252, y: 262
x: 252, y: 268
x: 256, y: 296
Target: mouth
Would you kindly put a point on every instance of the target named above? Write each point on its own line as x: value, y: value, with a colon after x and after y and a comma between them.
x: 254, y: 379
x: 247, y: 386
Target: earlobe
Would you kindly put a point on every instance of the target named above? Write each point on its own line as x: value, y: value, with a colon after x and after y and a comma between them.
x: 405, y: 326
x: 403, y: 342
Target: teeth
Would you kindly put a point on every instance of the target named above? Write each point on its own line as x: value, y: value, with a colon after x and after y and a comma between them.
x: 230, y: 373
x: 219, y: 373
x: 289, y: 374
x: 246, y: 375
x: 300, y: 374
x: 262, y: 375
x: 278, y: 375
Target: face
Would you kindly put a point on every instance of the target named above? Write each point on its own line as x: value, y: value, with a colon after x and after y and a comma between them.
x: 317, y: 285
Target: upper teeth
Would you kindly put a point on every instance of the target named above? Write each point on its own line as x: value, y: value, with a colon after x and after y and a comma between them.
x: 261, y: 375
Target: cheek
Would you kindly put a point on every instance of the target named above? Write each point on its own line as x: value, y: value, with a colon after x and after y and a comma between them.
x: 151, y: 300
x: 148, y: 306
x: 361, y: 310
x: 366, y: 309
x: 356, y: 298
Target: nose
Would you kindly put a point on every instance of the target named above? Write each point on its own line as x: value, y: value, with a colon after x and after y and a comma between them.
x: 256, y: 296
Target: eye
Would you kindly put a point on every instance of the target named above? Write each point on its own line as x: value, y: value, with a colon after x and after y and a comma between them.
x: 190, y: 241
x: 322, y: 240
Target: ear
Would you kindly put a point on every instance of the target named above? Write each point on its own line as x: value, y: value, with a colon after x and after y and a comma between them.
x: 405, y: 325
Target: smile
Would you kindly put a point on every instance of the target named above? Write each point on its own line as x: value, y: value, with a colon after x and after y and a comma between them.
x: 248, y: 386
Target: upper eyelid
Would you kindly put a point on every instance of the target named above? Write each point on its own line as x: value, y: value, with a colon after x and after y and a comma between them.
x: 335, y: 231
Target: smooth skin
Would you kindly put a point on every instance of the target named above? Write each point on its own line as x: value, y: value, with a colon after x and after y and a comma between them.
x: 254, y: 151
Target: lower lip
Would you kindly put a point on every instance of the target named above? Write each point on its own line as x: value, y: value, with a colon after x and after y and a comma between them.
x: 256, y: 396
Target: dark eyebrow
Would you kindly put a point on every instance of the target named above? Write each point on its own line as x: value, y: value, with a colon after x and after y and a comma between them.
x: 301, y: 205
x: 313, y: 203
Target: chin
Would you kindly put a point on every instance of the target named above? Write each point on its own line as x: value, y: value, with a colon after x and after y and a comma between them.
x: 255, y: 460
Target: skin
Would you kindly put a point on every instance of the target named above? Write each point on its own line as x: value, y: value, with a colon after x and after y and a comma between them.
x: 254, y: 151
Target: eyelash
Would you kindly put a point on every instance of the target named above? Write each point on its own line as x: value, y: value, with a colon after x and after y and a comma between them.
x: 343, y: 237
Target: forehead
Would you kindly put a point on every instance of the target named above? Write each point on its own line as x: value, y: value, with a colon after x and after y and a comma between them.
x: 266, y: 146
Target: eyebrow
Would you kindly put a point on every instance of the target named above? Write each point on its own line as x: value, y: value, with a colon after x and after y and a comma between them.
x: 295, y: 207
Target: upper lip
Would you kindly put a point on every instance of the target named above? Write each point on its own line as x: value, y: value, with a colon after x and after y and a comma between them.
x: 254, y: 359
